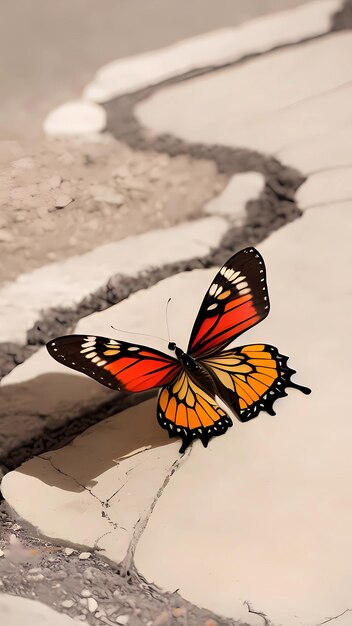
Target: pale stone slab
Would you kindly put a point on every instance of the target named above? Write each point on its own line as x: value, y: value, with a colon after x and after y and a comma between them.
x: 91, y: 478
x: 231, y: 203
x: 265, y: 509
x: 67, y: 282
x: 325, y: 187
x: 279, y: 105
x: 17, y: 611
x: 212, y: 49
x: 332, y: 149
x: 78, y: 117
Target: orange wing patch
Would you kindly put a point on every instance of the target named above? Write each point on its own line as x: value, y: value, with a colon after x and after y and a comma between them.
x: 251, y: 378
x: 187, y: 411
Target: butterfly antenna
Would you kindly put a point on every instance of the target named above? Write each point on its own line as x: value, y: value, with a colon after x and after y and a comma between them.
x: 167, y: 321
x: 131, y: 332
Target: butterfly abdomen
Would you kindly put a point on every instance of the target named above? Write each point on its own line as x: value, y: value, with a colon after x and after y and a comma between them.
x: 196, y: 370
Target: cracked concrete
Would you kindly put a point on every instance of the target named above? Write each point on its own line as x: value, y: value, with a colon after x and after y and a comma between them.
x: 335, y: 617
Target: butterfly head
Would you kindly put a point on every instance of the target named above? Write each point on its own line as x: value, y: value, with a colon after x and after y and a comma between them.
x: 179, y: 353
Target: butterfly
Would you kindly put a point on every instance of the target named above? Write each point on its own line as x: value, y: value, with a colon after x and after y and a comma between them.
x: 244, y: 380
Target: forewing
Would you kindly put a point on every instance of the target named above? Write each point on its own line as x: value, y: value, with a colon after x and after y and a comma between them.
x: 236, y: 300
x: 186, y: 410
x: 115, y: 364
x: 250, y: 378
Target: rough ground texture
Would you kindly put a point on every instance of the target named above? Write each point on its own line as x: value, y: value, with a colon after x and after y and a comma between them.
x: 67, y: 196
x: 60, y: 577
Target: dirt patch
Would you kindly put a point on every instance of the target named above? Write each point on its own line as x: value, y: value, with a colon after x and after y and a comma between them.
x: 65, y: 197
x: 89, y: 589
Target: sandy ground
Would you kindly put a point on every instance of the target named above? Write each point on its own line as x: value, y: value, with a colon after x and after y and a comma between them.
x: 62, y: 198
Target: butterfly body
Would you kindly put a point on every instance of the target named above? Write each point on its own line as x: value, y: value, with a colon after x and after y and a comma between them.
x: 248, y: 379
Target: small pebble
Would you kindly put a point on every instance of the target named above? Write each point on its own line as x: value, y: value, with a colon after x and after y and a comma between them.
x: 163, y: 618
x: 16, y: 527
x: 179, y: 611
x: 67, y: 604
x: 90, y: 572
x: 26, y: 163
x: 61, y: 200
x: 92, y: 605
x: 85, y: 593
x: 13, y: 540
x: 122, y: 619
x: 1, y: 553
x: 84, y: 556
x: 35, y: 570
x: 68, y: 551
x: 36, y: 577
x: 54, y: 181
x: 83, y: 602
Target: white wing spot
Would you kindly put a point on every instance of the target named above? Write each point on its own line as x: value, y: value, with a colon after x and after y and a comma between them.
x: 213, y: 289
x: 212, y: 306
x: 132, y: 348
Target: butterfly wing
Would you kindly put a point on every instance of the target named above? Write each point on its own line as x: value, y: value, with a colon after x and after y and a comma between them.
x: 236, y: 300
x: 115, y: 364
x: 187, y: 410
x: 250, y: 378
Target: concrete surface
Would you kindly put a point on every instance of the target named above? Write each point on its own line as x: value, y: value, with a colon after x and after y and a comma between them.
x: 279, y: 104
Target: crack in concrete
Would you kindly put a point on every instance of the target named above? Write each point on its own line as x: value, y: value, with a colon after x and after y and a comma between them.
x: 322, y: 204
x: 107, y: 501
x: 330, y: 619
x: 103, y: 503
x: 267, y: 622
x: 142, y: 522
